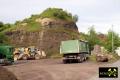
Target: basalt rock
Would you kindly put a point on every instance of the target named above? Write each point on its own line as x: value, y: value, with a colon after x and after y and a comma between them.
x: 48, y: 38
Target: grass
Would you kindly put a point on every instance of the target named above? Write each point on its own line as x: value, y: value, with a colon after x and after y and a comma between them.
x: 56, y: 56
x: 33, y: 27
x: 115, y: 58
x: 56, y: 13
x: 92, y: 58
x: 30, y: 27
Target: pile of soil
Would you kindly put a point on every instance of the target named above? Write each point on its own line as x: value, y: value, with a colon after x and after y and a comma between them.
x: 6, y: 75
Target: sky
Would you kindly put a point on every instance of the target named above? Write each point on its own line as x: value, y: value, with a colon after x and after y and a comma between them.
x: 101, y: 14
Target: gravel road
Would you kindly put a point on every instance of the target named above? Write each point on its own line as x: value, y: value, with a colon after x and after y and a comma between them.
x: 54, y: 69
x: 116, y: 64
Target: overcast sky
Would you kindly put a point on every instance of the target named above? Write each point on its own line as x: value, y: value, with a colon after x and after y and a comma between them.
x: 100, y: 13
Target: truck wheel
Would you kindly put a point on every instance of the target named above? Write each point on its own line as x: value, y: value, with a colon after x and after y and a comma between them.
x: 79, y: 60
x: 25, y: 57
x: 37, y: 57
x: 64, y: 61
x: 85, y: 58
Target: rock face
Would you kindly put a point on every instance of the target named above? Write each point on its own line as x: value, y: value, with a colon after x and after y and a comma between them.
x: 52, y: 23
x: 47, y: 39
x: 97, y: 49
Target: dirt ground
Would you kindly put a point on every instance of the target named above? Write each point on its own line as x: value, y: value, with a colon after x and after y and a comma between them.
x: 53, y: 69
x: 6, y: 75
x: 116, y: 64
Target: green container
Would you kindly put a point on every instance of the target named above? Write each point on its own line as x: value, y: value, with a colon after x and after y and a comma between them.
x: 73, y: 46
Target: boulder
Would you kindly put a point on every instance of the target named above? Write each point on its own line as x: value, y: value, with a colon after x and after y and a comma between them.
x: 118, y: 51
x: 96, y: 50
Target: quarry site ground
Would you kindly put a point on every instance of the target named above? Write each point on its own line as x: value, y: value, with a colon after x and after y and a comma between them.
x: 54, y: 69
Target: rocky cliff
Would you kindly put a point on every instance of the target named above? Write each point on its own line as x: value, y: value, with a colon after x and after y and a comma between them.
x: 48, y: 35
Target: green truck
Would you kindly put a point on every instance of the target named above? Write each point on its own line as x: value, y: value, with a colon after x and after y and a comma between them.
x: 6, y: 55
x: 74, y: 50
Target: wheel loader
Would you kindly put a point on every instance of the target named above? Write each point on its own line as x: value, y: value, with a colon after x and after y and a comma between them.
x: 27, y: 53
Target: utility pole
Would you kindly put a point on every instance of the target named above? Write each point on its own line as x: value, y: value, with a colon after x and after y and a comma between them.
x: 112, y: 40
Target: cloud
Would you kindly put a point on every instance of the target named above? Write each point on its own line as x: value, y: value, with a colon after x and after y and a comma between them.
x: 101, y: 13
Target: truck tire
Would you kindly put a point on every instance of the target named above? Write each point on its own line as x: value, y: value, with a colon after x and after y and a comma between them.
x: 64, y: 61
x: 80, y: 60
x: 37, y: 57
x: 25, y: 57
x: 84, y: 58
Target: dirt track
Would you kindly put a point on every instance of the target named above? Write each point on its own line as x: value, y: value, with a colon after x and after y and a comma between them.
x: 6, y: 75
x: 53, y: 69
x: 116, y: 64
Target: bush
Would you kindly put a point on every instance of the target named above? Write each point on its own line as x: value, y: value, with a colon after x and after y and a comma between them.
x: 56, y: 13
x: 3, y: 39
x: 1, y: 24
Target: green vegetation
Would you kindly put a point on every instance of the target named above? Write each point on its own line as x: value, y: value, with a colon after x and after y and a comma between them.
x: 1, y: 24
x: 4, y: 26
x: 92, y: 38
x: 30, y: 27
x: 30, y: 24
x: 114, y: 58
x: 56, y: 56
x: 57, y: 13
x: 3, y: 37
x: 92, y: 58
x: 116, y: 40
x: 104, y: 40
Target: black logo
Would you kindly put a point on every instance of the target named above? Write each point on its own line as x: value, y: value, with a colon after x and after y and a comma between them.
x: 108, y: 72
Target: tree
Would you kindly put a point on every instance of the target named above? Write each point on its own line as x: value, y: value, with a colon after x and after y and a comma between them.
x: 83, y: 36
x: 116, y: 40
x: 75, y: 18
x: 17, y: 22
x: 1, y: 24
x: 3, y: 38
x: 92, y: 38
x: 57, y: 13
